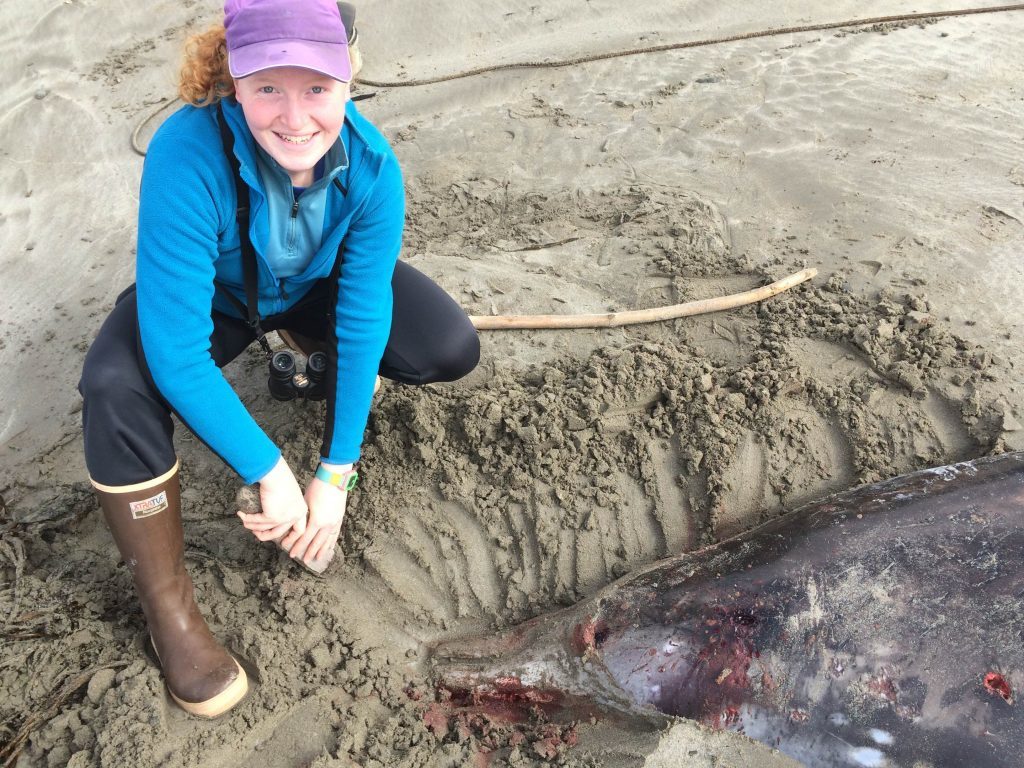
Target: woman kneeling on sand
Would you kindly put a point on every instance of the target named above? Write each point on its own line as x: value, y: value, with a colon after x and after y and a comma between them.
x: 267, y: 203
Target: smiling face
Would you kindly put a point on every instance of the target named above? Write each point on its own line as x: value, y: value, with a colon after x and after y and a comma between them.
x: 294, y: 114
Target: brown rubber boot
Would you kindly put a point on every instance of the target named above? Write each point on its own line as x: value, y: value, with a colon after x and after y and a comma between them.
x: 145, y: 519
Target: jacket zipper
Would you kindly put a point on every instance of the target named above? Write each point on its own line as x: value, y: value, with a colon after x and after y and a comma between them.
x: 292, y: 224
x: 291, y: 243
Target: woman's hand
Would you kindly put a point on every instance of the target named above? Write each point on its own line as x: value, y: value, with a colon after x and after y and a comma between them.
x: 326, y: 504
x: 282, y: 508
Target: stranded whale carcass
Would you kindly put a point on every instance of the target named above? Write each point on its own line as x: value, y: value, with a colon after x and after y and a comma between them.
x: 881, y: 627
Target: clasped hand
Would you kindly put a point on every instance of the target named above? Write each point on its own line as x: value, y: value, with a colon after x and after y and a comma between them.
x: 307, y: 524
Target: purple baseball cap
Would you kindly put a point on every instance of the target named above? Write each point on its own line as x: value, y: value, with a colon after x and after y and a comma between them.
x: 286, y: 33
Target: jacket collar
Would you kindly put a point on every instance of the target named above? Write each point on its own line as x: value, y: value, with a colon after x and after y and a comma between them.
x: 335, y: 161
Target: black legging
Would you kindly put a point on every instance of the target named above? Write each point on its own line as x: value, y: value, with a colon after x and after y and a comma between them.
x: 127, y: 424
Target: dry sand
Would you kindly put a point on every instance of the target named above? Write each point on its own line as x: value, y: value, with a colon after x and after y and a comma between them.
x: 890, y: 158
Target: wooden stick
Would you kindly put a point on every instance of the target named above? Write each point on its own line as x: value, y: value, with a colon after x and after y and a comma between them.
x: 637, y: 316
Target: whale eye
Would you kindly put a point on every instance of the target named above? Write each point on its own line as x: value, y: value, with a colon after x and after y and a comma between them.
x: 744, y: 617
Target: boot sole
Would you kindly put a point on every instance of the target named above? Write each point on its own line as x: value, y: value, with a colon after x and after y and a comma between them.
x: 219, y: 704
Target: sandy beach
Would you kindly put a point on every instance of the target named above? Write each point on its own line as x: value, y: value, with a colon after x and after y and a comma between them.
x: 889, y: 157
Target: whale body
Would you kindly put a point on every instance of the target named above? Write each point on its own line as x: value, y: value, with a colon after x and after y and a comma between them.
x: 883, y: 626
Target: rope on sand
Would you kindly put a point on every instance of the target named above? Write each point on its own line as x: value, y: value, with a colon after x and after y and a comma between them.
x: 630, y: 52
x: 692, y: 44
x: 136, y: 147
x: 637, y: 316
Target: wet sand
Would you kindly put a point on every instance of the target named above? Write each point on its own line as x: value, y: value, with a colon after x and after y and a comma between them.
x: 888, y: 158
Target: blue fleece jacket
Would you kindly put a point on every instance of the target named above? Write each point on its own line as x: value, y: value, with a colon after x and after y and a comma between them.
x: 188, y: 237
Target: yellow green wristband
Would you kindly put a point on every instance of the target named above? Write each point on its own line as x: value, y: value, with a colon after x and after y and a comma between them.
x: 344, y: 480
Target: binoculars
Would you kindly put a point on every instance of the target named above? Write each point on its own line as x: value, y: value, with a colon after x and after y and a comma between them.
x: 286, y: 382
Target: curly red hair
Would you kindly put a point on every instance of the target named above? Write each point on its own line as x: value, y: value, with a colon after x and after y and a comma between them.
x: 204, y: 78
